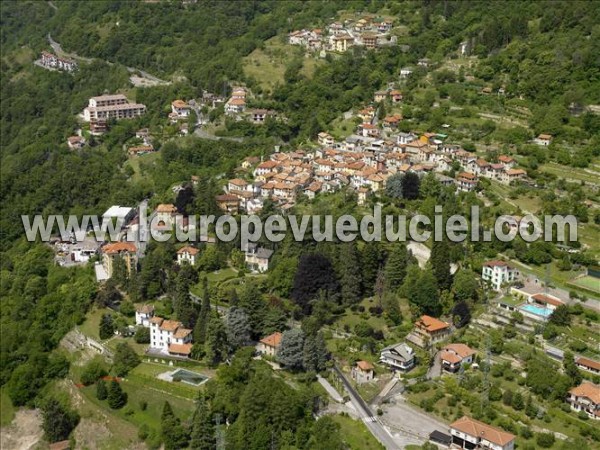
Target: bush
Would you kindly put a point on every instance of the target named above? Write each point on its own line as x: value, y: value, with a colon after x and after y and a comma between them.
x: 92, y: 371
x: 526, y: 433
x: 142, y: 335
x: 545, y: 440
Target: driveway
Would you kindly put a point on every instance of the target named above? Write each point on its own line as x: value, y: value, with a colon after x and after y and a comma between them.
x: 408, y: 423
x: 435, y: 371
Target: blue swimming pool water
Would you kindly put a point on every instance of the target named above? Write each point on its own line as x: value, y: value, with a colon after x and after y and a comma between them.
x: 537, y: 310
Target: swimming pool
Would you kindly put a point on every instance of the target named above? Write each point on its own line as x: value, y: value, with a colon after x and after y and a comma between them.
x: 187, y: 376
x: 537, y: 310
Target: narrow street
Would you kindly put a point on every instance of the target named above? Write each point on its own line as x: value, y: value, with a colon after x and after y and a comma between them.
x: 367, y: 416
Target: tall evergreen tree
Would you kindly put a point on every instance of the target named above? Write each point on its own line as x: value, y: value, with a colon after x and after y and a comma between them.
x: 571, y: 369
x: 173, y: 434
x: 371, y: 261
x: 426, y: 294
x: 107, y: 326
x: 238, y: 328
x: 116, y: 397
x: 101, y: 391
x: 291, y: 350
x: 201, y: 327
x: 216, y: 341
x: 440, y: 263
x: 314, y: 274
x: 315, y: 354
x: 203, y: 429
x: 410, y: 186
x: 184, y: 307
x: 395, y: 269
x: 252, y: 301
x: 350, y: 274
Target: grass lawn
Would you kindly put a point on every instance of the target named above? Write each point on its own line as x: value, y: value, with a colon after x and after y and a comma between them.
x: 588, y: 282
x: 268, y: 65
x: 352, y: 318
x: 138, y: 393
x: 589, y: 234
x: 214, y: 278
x: 570, y: 173
x: 342, y: 128
x: 140, y: 349
x: 136, y: 163
x: 510, y: 300
x: 7, y: 410
x: 355, y: 434
x: 145, y: 375
x: 92, y: 323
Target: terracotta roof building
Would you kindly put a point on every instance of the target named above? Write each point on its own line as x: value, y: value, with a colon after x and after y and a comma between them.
x: 586, y: 398
x: 269, y: 345
x: 470, y: 433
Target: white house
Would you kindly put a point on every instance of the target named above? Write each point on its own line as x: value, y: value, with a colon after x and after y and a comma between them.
x: 498, y: 273
x: 455, y: 355
x: 187, y: 254
x: 543, y: 139
x: 586, y: 398
x: 398, y: 357
x: 470, y: 433
x: 170, y: 337
x: 180, y: 108
x: 257, y: 258
x: 405, y: 72
x: 269, y: 345
x: 143, y: 314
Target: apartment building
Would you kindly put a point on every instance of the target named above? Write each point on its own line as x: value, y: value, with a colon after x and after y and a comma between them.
x: 112, y: 106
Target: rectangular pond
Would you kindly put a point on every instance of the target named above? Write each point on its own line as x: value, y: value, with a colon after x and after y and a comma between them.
x: 189, y: 377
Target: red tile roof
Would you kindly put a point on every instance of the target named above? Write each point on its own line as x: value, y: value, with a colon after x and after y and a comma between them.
x: 462, y: 350
x: 588, y: 363
x: 588, y: 390
x: 188, y: 249
x: 431, y: 323
x: 180, y: 349
x: 273, y: 340
x: 364, y: 365
x: 117, y: 247
x: 482, y: 430
x: 542, y: 298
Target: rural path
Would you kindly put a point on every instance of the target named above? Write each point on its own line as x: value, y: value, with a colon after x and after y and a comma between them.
x: 139, y: 77
x: 206, y: 135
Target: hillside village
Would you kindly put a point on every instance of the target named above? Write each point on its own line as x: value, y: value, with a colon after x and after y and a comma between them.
x: 343, y: 345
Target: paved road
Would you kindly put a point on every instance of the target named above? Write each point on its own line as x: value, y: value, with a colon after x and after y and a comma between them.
x: 367, y: 416
x: 145, y: 75
x: 333, y: 393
